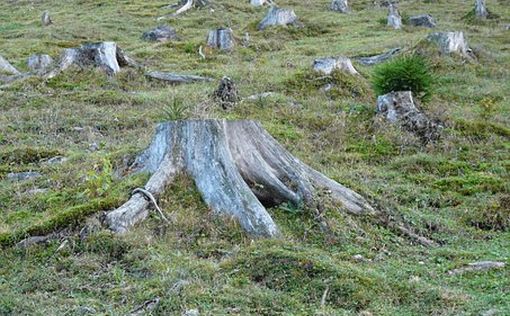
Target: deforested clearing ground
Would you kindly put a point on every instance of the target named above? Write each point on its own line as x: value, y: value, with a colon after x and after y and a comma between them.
x: 455, y: 192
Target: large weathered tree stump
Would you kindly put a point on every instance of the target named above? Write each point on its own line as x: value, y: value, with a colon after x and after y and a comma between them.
x: 450, y: 42
x: 237, y: 167
x: 394, y: 19
x: 222, y: 39
x: 278, y: 16
x: 340, y: 6
x: 105, y: 55
x: 399, y: 108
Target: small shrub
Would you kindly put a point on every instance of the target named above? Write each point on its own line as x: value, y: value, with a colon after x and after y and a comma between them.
x: 408, y: 73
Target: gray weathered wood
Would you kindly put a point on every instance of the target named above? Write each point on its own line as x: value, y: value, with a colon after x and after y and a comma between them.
x: 399, y: 107
x: 340, y: 6
x: 174, y: 78
x: 329, y: 64
x: 46, y: 19
x: 394, y: 19
x: 222, y: 39
x: 237, y: 167
x: 259, y: 3
x: 278, y: 16
x: 39, y: 63
x: 450, y: 42
x: 7, y: 68
x: 424, y: 20
x: 160, y: 34
x: 480, y: 9
x: 377, y: 59
x: 105, y: 55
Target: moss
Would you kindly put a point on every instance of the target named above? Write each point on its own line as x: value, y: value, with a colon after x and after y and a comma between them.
x: 481, y: 128
x: 343, y: 85
x: 26, y: 155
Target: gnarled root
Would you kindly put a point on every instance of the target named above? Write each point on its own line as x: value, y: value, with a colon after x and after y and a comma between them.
x: 237, y: 167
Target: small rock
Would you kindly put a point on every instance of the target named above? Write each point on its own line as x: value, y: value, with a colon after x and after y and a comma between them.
x: 359, y: 257
x: 259, y: 96
x: 22, y: 176
x: 507, y: 27
x: 425, y: 20
x: 78, y: 129
x: 328, y: 64
x: 259, y: 3
x: 160, y: 34
x: 39, y: 63
x: 490, y: 312
x: 94, y: 147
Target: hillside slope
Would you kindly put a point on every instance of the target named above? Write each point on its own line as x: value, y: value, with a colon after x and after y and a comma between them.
x: 455, y: 192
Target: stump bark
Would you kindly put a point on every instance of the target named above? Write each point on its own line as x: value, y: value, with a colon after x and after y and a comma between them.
x: 329, y: 64
x: 278, y: 16
x: 340, y: 6
x: 237, y: 167
x: 160, y: 34
x: 105, y: 55
x: 424, y: 20
x: 222, y: 39
x: 46, y: 19
x: 450, y: 42
x: 394, y: 19
x: 39, y: 63
x: 7, y: 68
x: 480, y: 9
x: 399, y: 107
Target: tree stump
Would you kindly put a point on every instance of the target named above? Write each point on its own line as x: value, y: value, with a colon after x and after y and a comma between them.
x: 237, y: 167
x: 7, y: 68
x: 39, y: 63
x: 377, y: 59
x: 481, y: 11
x: 222, y: 39
x: 160, y: 34
x: 329, y: 64
x: 450, y: 42
x: 394, y: 19
x: 424, y: 20
x: 226, y: 94
x: 46, y: 19
x: 278, y: 16
x: 105, y: 55
x: 340, y: 6
x: 399, y: 107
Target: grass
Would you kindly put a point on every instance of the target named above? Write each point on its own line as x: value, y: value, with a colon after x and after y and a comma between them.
x: 455, y: 191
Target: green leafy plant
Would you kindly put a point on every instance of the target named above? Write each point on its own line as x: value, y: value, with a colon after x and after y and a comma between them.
x: 176, y: 110
x: 99, y: 180
x: 408, y: 73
